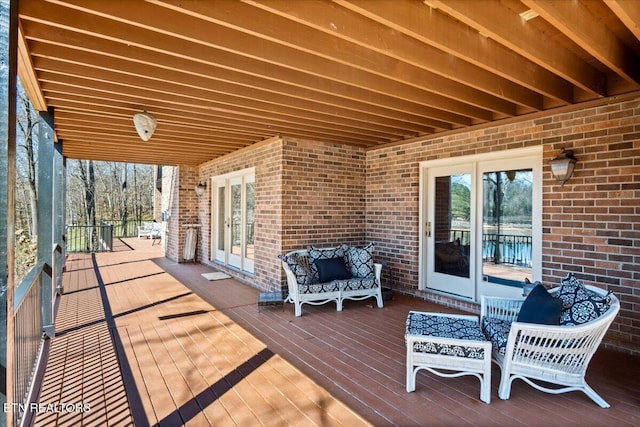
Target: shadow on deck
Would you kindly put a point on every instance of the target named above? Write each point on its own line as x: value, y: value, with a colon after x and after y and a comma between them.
x: 141, y: 340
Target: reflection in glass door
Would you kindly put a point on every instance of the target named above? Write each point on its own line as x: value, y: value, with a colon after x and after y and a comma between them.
x: 449, y: 231
x: 507, y: 242
x: 250, y: 208
x: 235, y: 219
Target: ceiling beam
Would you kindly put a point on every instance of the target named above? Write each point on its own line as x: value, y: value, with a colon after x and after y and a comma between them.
x: 344, y: 96
x: 245, y: 33
x: 149, y: 26
x: 126, y: 84
x: 430, y: 27
x: 27, y: 74
x: 509, y: 29
x: 210, y: 90
x: 341, y: 35
x: 575, y: 22
x: 628, y: 12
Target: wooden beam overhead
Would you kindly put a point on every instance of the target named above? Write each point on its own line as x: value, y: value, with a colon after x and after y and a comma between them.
x: 628, y: 12
x: 440, y: 31
x: 27, y: 74
x: 575, y: 21
x: 133, y: 22
x: 508, y: 28
x: 335, y: 33
x: 220, y: 76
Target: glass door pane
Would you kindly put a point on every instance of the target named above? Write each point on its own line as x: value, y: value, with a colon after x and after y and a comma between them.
x: 449, y: 250
x: 235, y: 202
x: 507, y: 226
x: 452, y: 224
x: 249, y: 227
x: 221, y: 209
x: 219, y: 224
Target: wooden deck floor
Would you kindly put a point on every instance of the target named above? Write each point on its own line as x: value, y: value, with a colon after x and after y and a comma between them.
x: 145, y: 341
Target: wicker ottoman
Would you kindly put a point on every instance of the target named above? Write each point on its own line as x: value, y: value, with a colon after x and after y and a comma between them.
x: 447, y: 345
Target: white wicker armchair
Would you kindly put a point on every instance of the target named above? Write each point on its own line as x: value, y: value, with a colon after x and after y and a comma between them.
x: 554, y: 354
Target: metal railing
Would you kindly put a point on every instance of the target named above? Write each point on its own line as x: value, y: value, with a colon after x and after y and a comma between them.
x: 499, y: 248
x: 128, y: 228
x: 28, y: 334
x: 507, y: 249
x: 89, y: 238
x: 99, y: 238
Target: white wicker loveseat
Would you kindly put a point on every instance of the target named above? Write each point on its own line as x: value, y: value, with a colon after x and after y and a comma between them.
x: 555, y: 354
x: 360, y: 281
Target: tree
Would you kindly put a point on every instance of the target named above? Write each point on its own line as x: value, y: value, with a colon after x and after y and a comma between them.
x: 122, y: 194
x: 27, y: 121
x: 87, y: 175
x: 26, y: 193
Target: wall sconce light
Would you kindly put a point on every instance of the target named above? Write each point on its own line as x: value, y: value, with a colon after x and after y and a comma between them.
x: 200, y: 188
x: 562, y: 166
x: 145, y: 124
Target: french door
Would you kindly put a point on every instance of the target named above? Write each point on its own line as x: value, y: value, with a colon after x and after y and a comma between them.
x: 233, y: 218
x: 449, y: 233
x: 481, y: 224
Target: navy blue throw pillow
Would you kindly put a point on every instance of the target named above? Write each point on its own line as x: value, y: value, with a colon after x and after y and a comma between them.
x: 540, y: 307
x: 331, y: 269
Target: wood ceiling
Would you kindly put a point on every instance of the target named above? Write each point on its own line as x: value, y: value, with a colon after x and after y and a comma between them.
x: 222, y: 75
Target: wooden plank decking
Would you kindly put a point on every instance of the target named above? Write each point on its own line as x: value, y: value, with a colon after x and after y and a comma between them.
x: 145, y: 341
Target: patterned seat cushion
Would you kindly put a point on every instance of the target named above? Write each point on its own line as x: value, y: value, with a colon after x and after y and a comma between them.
x: 316, y: 288
x: 355, y: 284
x: 444, y: 327
x: 580, y: 305
x: 360, y: 261
x: 496, y: 331
x: 299, y: 265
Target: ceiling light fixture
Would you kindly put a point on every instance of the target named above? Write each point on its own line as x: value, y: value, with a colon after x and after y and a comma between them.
x: 145, y: 124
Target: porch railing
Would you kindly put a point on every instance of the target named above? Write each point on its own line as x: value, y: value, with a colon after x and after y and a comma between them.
x: 507, y: 249
x: 89, y: 238
x: 499, y: 248
x: 28, y: 334
x: 128, y: 228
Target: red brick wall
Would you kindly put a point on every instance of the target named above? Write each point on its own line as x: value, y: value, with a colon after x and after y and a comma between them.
x: 591, y: 226
x: 323, y: 193
x: 266, y: 158
x: 323, y: 187
x: 306, y: 193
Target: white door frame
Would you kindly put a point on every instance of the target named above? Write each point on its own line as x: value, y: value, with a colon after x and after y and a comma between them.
x: 459, y: 286
x: 237, y: 261
x: 533, y: 158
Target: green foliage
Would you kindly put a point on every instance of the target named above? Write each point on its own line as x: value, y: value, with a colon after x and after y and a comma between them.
x: 460, y: 201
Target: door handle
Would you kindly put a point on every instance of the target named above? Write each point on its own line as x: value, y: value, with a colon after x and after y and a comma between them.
x: 429, y: 229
